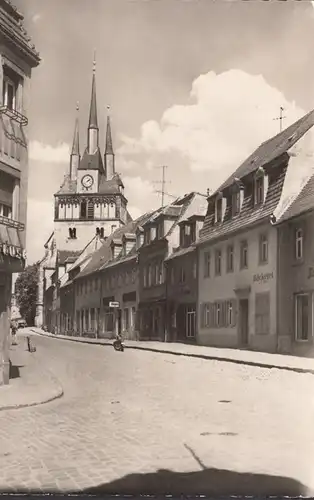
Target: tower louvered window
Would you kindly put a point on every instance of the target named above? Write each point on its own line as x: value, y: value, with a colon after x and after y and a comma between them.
x: 90, y: 210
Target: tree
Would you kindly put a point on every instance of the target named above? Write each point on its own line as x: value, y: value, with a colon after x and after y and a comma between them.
x: 26, y: 292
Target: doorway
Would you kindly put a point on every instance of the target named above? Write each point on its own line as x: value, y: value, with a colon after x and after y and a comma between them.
x: 244, y: 322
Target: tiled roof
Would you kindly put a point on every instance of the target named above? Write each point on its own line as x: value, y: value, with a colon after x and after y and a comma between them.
x: 91, y: 162
x: 110, y: 186
x: 101, y: 256
x: 181, y: 252
x: 63, y: 255
x: 68, y: 186
x: 303, y: 202
x: 272, y: 148
x: 249, y: 215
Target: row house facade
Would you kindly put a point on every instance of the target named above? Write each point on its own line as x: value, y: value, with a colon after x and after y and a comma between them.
x: 239, y: 250
x: 18, y: 57
x: 159, y: 306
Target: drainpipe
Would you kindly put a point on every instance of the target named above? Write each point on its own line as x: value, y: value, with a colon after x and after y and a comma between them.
x: 166, y: 305
x: 100, y: 304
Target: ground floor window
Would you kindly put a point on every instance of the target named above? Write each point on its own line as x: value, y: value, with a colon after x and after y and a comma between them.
x: 303, y: 328
x: 218, y: 314
x: 126, y: 319
x: 262, y: 313
x: 190, y: 322
x: 109, y: 322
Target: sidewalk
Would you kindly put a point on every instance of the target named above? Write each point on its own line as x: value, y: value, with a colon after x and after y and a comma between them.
x: 30, y: 383
x: 252, y: 358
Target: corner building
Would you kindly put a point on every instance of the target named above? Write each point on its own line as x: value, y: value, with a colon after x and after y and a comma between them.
x: 238, y: 247
x: 17, y: 59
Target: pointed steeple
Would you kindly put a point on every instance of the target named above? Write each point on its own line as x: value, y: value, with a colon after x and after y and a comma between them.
x: 75, y: 153
x: 108, y: 148
x: 93, y: 122
x: 109, y: 154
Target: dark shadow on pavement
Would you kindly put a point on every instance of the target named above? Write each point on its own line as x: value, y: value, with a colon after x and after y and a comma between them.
x: 205, y: 482
x: 14, y: 371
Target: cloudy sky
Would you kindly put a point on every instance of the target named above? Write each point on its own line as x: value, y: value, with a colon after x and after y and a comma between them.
x: 194, y: 85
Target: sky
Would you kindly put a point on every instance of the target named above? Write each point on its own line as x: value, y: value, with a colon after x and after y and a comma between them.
x: 192, y: 84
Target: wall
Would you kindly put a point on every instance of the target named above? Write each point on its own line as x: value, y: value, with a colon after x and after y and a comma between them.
x: 85, y: 231
x: 294, y: 276
x: 223, y: 288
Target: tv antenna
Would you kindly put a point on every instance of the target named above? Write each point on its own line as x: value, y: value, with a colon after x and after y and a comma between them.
x: 280, y: 118
x: 163, y: 183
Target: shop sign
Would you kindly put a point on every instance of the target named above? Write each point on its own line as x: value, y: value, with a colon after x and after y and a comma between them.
x: 13, y: 251
x: 262, y: 277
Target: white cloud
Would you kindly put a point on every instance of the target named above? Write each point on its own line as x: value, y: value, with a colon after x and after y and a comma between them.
x: 228, y: 115
x: 46, y: 153
x: 141, y: 195
x: 36, y: 18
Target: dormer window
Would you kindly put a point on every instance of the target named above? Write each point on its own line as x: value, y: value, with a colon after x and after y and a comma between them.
x: 218, y: 210
x: 10, y: 88
x: 153, y: 233
x: 147, y: 237
x: 259, y: 187
x: 236, y: 203
x: 72, y: 233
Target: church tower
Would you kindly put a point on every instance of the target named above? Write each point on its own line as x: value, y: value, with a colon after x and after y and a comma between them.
x: 91, y: 199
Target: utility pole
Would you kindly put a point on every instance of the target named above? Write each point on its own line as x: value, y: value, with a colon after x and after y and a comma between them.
x: 163, y: 183
x: 280, y: 118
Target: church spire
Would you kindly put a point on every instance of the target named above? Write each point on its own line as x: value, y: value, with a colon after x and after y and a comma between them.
x: 109, y: 154
x: 75, y: 153
x: 93, y: 131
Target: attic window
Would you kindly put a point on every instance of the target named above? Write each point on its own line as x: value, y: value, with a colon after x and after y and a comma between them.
x: 260, y: 186
x: 218, y: 209
x: 293, y: 136
x: 236, y: 202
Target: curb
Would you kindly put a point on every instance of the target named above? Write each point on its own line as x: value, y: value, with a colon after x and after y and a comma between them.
x: 58, y: 395
x: 190, y: 355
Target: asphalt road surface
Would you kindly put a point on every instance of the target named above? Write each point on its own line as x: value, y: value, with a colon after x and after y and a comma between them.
x: 142, y: 422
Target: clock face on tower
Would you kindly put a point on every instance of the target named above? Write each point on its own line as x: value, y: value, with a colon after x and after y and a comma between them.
x: 87, y: 181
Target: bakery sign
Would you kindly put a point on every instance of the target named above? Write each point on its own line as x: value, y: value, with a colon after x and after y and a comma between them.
x: 262, y: 277
x: 13, y: 251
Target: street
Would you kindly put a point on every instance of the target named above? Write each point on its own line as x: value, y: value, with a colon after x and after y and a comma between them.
x: 142, y: 422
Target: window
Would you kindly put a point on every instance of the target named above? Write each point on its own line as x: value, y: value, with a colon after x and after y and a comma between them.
x: 262, y: 313
x: 263, y: 249
x: 302, y: 316
x: 207, y: 315
x: 145, y: 277
x: 299, y: 244
x: 235, y: 200
x: 259, y: 189
x: 206, y: 264
x: 149, y: 275
x: 219, y: 210
x: 90, y: 210
x: 243, y: 254
x: 229, y: 313
x: 5, y: 210
x: 113, y: 227
x: 187, y: 230
x: 218, y: 262
x: 229, y: 258
x: 218, y: 317
x: 147, y: 236
x: 83, y: 209
x: 182, y: 275
x: 9, y: 91
x: 126, y: 319
x: 72, y: 232
x: 194, y: 270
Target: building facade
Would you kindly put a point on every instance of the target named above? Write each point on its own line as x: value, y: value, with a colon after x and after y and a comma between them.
x: 239, y: 248
x: 296, y: 275
x: 161, y: 238
x: 17, y: 59
x: 90, y: 202
x: 182, y: 282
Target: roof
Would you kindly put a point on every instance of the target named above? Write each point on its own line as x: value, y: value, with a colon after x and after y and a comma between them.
x: 64, y: 255
x: 91, y: 161
x: 101, y: 256
x: 248, y: 215
x: 76, y: 136
x: 93, y: 122
x: 68, y: 186
x: 302, y: 203
x: 111, y: 186
x: 181, y: 252
x: 271, y: 149
x: 12, y: 28
x: 108, y: 146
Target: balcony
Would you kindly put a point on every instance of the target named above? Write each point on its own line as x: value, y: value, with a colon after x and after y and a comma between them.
x: 14, y: 115
x: 6, y: 221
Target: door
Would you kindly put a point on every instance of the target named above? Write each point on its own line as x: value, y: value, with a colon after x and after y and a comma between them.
x: 244, y: 322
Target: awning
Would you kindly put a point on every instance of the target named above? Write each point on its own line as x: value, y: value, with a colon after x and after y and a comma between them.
x: 10, y: 243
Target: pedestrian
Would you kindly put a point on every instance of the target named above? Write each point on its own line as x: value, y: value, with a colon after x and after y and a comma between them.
x: 13, y: 331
